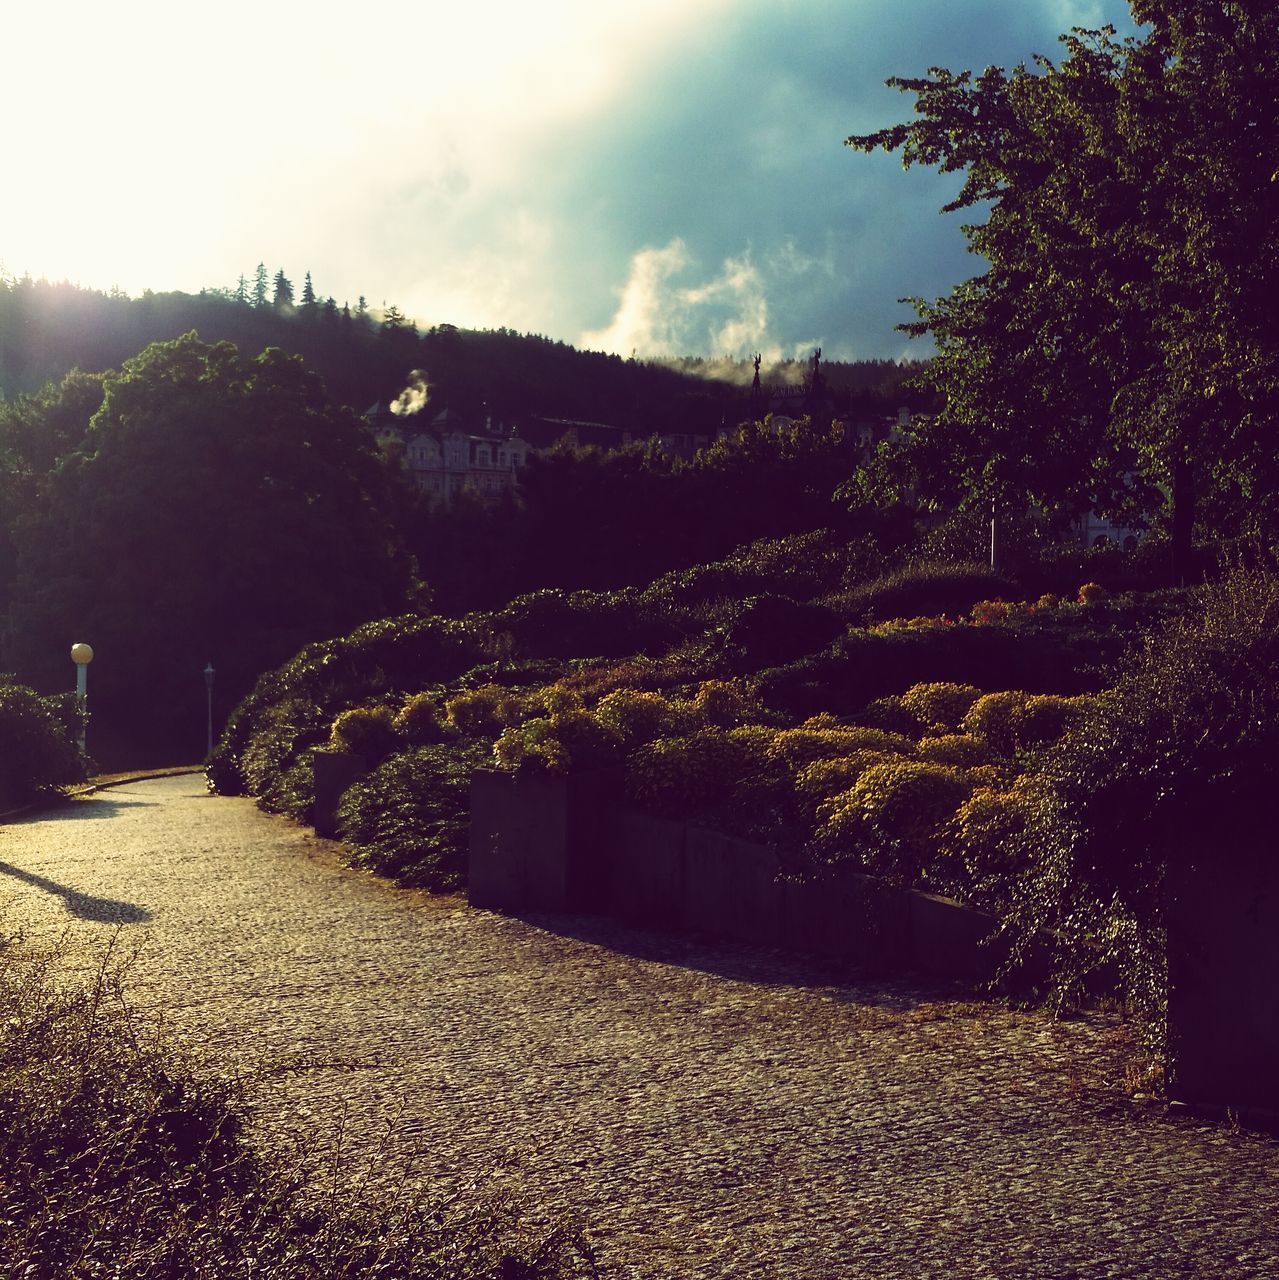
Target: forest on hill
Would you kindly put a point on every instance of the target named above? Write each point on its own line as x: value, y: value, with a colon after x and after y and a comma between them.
x: 364, y: 356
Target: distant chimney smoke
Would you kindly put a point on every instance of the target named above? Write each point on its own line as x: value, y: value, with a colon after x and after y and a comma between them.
x: 414, y: 397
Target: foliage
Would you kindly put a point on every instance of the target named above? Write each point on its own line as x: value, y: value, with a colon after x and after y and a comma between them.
x: 410, y: 820
x: 420, y: 718
x: 941, y: 705
x: 1014, y: 720
x: 682, y: 775
x: 117, y: 1159
x: 1118, y: 339
x: 892, y: 815
x: 923, y: 589
x: 292, y: 707
x: 636, y: 716
x: 365, y: 731
x: 216, y: 506
x: 38, y: 751
x: 483, y: 712
x: 1186, y: 740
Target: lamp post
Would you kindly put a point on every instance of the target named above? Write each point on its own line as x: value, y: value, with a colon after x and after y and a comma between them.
x: 82, y: 655
x: 208, y: 685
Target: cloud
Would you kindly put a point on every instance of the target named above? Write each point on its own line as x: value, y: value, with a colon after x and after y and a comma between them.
x: 660, y: 176
x: 657, y: 315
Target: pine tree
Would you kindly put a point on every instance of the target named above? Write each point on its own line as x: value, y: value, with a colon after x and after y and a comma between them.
x: 308, y: 292
x: 260, y: 279
x: 283, y: 296
x: 242, y: 290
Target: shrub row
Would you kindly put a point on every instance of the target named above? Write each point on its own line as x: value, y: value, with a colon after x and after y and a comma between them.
x: 38, y: 743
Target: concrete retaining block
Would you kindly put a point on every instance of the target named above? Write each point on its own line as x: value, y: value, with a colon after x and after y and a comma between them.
x: 537, y: 841
x: 948, y: 939
x: 1223, y: 961
x: 645, y: 869
x: 731, y: 889
x: 844, y: 915
x: 335, y: 771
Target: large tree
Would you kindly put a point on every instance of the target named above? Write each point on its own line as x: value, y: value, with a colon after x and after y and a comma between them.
x: 1119, y: 342
x: 219, y: 508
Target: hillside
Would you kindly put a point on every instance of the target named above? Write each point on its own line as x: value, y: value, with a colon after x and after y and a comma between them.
x: 48, y: 329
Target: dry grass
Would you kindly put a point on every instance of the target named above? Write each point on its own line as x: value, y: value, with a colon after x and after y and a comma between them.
x: 116, y: 1160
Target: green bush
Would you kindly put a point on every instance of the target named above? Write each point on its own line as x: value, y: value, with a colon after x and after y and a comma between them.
x: 420, y: 719
x: 410, y: 818
x: 1187, y: 740
x: 38, y: 750
x: 365, y: 731
x: 925, y: 589
x: 637, y: 716
x: 940, y: 706
x: 892, y: 816
x: 680, y: 776
x: 483, y: 712
x: 771, y: 629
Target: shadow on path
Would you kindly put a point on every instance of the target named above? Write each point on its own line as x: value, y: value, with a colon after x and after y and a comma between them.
x: 84, y: 808
x: 83, y: 906
x: 743, y: 962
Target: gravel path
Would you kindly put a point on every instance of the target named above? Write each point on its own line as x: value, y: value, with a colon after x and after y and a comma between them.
x: 709, y: 1111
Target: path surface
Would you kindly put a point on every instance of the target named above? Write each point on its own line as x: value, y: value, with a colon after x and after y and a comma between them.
x: 710, y: 1111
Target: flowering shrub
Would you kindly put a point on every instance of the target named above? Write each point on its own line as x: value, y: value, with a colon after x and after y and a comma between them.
x: 366, y: 731
x: 985, y: 612
x: 940, y: 706
x: 483, y: 712
x: 1048, y: 601
x: 1092, y: 593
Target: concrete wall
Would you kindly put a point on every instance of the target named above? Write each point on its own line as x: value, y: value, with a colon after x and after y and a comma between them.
x: 1223, y: 970
x: 537, y: 841
x: 335, y: 771
x: 566, y: 844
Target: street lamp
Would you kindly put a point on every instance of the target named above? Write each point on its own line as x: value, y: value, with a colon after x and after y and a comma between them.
x: 208, y: 684
x: 82, y: 655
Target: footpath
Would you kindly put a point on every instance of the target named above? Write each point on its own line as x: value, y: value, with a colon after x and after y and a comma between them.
x: 708, y: 1111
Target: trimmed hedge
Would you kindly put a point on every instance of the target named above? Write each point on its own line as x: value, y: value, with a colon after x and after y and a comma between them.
x: 38, y: 743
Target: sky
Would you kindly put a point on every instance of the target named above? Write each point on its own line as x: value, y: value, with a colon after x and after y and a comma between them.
x: 650, y: 177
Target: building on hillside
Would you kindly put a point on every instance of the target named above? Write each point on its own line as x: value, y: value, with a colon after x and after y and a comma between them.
x: 445, y: 457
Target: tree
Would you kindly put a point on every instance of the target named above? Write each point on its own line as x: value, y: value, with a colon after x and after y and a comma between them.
x: 308, y: 292
x: 283, y: 295
x: 1117, y: 344
x: 260, y: 285
x: 219, y: 508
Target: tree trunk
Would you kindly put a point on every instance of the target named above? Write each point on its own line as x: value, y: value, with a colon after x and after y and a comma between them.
x: 1183, y: 521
